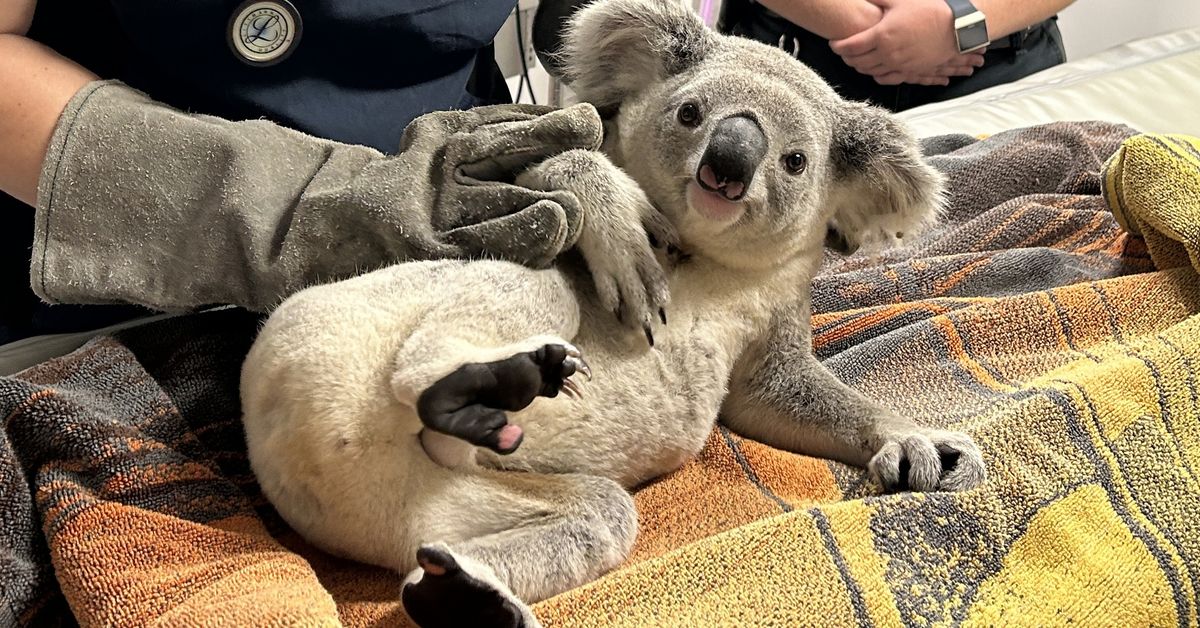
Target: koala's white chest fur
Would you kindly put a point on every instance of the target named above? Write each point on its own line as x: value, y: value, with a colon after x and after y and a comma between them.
x: 332, y: 382
x: 647, y: 410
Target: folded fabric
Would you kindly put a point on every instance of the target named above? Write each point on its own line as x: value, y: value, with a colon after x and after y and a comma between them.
x: 1030, y: 319
x: 1152, y: 185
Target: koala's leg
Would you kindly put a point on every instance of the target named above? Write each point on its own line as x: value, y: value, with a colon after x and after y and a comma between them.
x: 783, y: 396
x: 497, y: 541
x: 493, y: 351
x: 471, y: 401
x: 620, y: 230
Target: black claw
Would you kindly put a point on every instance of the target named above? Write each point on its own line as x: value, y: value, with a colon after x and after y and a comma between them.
x: 649, y: 334
x: 662, y: 314
x: 620, y: 315
x: 653, y: 240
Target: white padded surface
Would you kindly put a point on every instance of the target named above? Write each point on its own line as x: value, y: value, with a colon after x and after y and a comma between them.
x: 1151, y: 84
x: 22, y: 354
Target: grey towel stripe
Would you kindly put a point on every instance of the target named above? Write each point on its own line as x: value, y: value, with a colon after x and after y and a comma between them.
x: 1104, y: 474
x: 749, y: 471
x: 856, y: 594
x: 1184, y: 146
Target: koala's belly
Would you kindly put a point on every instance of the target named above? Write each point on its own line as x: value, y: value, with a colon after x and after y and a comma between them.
x: 644, y: 414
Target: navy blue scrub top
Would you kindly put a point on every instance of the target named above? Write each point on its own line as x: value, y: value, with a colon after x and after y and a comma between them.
x: 359, y: 72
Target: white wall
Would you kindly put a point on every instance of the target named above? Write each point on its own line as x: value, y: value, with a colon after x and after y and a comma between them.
x: 1089, y: 26
x: 509, y: 57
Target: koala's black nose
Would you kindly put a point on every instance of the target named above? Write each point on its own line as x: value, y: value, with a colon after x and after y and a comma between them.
x: 734, y: 151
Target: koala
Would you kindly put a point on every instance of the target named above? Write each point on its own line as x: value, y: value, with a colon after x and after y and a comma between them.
x: 477, y: 425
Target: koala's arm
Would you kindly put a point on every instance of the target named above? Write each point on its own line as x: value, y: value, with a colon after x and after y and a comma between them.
x: 781, y: 395
x: 619, y: 232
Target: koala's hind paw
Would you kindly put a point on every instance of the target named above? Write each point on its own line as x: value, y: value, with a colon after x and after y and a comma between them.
x: 558, y: 363
x: 447, y: 594
x: 471, y: 401
x: 573, y: 363
x: 926, y: 460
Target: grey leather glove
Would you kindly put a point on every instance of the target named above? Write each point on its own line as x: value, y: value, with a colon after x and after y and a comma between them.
x: 141, y: 203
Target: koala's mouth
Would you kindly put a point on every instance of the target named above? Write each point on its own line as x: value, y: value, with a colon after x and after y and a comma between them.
x: 713, y: 205
x: 708, y: 179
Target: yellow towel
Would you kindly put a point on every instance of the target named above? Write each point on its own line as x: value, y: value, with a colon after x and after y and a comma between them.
x: 1152, y: 185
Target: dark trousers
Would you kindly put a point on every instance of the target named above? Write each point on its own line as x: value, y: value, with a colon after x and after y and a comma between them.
x: 1040, y: 48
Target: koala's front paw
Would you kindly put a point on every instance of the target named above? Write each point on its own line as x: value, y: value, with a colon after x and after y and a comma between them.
x: 448, y: 594
x: 618, y: 234
x: 619, y: 248
x: 922, y: 459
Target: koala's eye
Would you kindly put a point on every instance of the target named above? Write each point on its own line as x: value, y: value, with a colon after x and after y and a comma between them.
x: 689, y: 114
x: 795, y: 163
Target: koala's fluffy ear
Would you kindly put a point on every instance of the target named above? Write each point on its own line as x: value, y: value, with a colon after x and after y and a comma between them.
x: 883, y: 187
x: 615, y: 47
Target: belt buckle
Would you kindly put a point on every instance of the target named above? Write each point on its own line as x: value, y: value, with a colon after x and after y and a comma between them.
x: 1019, y: 38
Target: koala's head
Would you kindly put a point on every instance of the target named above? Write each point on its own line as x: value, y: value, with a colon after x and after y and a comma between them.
x: 748, y: 151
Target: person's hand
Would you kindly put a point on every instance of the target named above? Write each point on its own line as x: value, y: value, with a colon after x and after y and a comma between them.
x: 913, y: 43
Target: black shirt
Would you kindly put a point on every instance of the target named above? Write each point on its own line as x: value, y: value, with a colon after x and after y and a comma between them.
x: 359, y: 72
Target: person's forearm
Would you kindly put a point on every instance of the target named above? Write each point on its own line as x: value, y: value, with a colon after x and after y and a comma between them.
x: 37, y: 84
x: 1005, y: 17
x: 831, y: 19
x: 17, y: 17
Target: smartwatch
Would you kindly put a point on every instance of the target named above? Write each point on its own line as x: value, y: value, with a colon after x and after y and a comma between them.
x: 970, y: 27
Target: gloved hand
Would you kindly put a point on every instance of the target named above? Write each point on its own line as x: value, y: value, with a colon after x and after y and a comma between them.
x: 141, y: 203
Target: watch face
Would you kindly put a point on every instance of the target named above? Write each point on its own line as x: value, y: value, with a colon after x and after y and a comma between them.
x: 972, y: 36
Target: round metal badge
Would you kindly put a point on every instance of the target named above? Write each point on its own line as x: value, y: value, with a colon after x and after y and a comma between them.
x: 264, y: 32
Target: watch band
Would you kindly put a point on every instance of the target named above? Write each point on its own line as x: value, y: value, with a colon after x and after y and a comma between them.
x: 970, y: 25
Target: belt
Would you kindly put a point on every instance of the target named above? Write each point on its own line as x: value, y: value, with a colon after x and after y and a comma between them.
x: 1017, y: 40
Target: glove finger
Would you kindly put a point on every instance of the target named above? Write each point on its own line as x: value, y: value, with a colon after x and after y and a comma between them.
x: 531, y: 236
x: 499, y: 151
x: 435, y: 128
x: 494, y: 114
x: 474, y: 202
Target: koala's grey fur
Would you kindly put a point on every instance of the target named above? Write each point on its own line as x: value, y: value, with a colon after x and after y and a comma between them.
x: 332, y: 385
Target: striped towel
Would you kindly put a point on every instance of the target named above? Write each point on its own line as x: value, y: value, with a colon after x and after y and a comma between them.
x: 1066, y: 344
